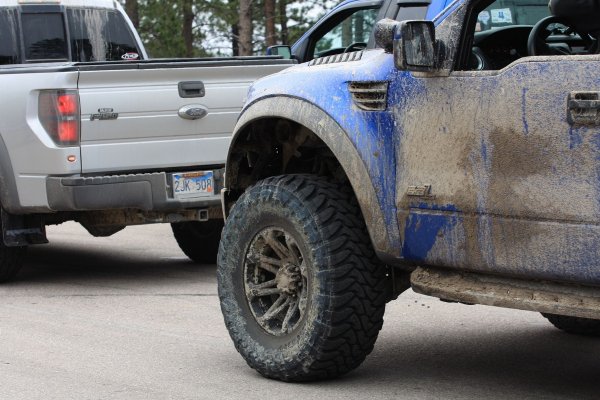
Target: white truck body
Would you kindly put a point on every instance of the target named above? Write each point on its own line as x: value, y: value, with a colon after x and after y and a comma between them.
x: 92, y: 130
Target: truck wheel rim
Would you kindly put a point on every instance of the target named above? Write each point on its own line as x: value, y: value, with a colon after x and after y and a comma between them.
x: 275, y: 281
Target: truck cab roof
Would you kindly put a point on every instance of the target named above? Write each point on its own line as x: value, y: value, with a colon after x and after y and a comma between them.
x: 68, y: 3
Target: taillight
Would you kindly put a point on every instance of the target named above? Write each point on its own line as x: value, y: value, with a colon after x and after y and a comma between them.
x: 58, y: 112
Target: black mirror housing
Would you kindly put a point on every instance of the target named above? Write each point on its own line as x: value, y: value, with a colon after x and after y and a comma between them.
x: 415, y: 47
x: 384, y: 34
x: 284, y: 51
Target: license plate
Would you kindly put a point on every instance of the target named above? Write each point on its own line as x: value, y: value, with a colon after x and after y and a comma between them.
x: 193, y: 184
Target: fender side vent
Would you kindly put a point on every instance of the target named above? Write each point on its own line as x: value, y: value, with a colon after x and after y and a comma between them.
x: 338, y: 58
x: 369, y: 96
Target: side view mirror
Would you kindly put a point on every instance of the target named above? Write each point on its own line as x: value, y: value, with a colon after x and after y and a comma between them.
x: 280, y: 50
x: 415, y: 47
x: 384, y: 34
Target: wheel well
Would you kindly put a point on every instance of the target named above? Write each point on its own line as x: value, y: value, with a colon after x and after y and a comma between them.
x: 276, y: 146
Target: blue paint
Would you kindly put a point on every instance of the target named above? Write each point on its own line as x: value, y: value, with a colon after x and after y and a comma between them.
x: 426, y: 223
x: 575, y: 138
x: 434, y: 207
x: 434, y: 12
x: 421, y: 233
x: 484, y: 151
x: 524, y: 110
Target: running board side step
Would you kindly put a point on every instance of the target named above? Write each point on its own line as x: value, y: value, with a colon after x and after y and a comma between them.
x: 540, y: 296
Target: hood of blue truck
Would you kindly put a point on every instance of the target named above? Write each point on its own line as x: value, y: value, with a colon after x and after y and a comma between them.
x: 324, y: 82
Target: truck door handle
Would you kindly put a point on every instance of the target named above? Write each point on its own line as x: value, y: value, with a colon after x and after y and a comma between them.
x: 584, y: 108
x: 191, y: 89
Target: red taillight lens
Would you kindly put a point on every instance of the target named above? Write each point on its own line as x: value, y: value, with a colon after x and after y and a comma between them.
x: 67, y: 104
x: 68, y: 131
x: 58, y: 111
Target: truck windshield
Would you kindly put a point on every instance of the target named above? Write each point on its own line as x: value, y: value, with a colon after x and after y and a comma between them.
x: 100, y: 35
x: 512, y: 12
x: 8, y: 33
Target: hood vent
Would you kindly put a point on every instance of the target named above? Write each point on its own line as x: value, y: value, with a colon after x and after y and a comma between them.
x: 369, y: 96
x: 338, y: 58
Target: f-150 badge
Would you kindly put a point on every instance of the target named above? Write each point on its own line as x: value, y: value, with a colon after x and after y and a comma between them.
x: 104, y: 114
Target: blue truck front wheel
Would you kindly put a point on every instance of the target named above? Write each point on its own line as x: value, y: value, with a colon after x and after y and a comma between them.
x: 302, y: 292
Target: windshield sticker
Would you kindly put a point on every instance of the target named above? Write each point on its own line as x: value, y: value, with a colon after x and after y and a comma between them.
x: 484, y: 17
x: 501, y: 16
x: 130, y: 56
x: 483, y: 21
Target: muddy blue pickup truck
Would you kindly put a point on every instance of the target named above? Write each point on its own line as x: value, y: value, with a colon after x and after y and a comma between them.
x: 458, y: 156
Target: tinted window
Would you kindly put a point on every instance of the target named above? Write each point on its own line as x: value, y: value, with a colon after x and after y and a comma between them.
x: 8, y: 37
x: 100, y: 35
x: 44, y: 36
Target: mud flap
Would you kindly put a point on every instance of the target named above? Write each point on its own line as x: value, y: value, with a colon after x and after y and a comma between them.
x: 22, y: 230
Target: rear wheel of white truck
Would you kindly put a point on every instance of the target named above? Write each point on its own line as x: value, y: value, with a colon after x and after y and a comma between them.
x: 302, y: 292
x: 199, y: 240
x: 576, y: 325
x: 11, y: 261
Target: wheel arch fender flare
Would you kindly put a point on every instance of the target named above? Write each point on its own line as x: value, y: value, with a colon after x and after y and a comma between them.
x: 9, y: 197
x: 335, y: 138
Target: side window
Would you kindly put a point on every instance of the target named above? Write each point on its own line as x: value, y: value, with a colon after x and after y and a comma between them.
x: 351, y: 34
x: 100, y: 35
x: 8, y: 32
x: 503, y: 13
x: 498, y: 34
x: 44, y: 37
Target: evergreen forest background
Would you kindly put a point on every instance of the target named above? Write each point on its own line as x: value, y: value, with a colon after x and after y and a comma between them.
x: 198, y: 28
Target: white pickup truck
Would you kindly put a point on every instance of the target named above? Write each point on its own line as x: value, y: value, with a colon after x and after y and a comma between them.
x: 93, y: 131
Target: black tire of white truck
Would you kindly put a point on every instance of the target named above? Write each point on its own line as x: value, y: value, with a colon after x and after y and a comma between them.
x: 301, y: 290
x: 199, y: 240
x: 576, y: 325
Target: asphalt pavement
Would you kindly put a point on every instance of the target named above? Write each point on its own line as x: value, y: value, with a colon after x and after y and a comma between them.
x: 130, y: 317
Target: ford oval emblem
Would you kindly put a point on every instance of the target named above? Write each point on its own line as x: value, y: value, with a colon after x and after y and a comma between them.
x: 193, y: 112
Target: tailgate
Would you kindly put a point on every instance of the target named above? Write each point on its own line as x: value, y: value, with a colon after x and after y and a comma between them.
x: 155, y: 116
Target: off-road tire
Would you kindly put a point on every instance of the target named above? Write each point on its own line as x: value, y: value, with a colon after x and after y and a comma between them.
x: 199, y: 240
x: 11, y: 261
x: 576, y: 325
x: 346, y: 287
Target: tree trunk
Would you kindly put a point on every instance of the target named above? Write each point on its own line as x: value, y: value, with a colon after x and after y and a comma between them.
x: 245, y: 27
x: 283, y: 21
x: 359, y: 28
x: 187, y: 32
x: 131, y: 7
x: 270, y: 34
x: 235, y: 42
x: 347, y: 32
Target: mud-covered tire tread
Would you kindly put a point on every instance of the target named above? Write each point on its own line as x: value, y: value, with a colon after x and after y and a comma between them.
x: 199, y: 240
x: 576, y: 325
x: 358, y: 291
x: 11, y: 261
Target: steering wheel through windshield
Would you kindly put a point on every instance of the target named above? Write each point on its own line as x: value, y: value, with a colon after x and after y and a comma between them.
x: 537, y: 43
